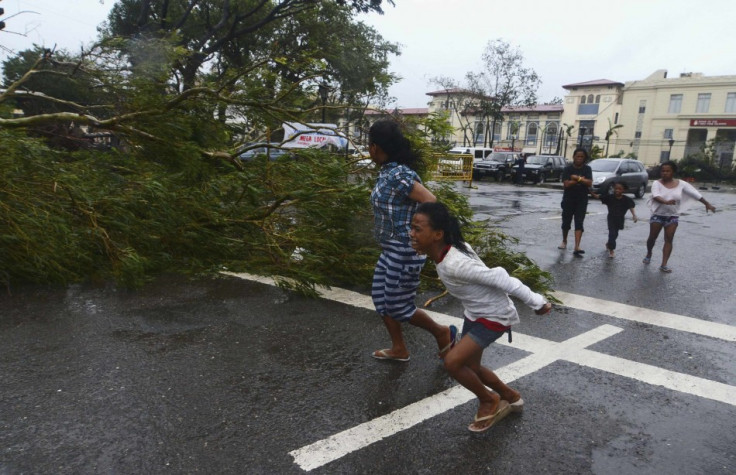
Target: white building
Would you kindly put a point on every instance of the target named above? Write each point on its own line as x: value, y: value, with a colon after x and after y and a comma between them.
x: 676, y: 117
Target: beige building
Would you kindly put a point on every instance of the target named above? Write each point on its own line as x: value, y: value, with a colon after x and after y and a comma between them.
x: 535, y: 129
x: 653, y: 119
x: 676, y: 117
x: 593, y: 108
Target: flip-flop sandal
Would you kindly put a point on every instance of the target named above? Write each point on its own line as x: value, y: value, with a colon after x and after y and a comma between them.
x: 647, y: 260
x: 562, y: 247
x: 504, y: 408
x: 517, y: 406
x: 453, y: 341
x: 665, y: 269
x: 383, y: 355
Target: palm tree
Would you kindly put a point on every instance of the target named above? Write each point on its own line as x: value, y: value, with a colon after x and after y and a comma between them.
x: 612, y: 130
x: 568, y: 132
x: 514, y: 126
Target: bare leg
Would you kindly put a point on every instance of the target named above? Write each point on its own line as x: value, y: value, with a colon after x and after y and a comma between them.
x: 457, y: 362
x: 669, y: 237
x: 578, y: 237
x: 398, y: 346
x: 564, y: 238
x: 491, y: 380
x: 654, y: 229
x: 440, y: 332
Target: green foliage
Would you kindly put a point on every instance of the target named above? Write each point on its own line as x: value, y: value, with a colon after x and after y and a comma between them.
x: 171, y: 197
x: 91, y: 215
x: 703, y: 169
x: 596, y: 152
x: 707, y: 165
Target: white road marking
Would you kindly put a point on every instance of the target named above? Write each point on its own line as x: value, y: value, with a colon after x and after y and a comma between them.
x: 334, y: 447
x: 544, y: 353
x: 673, y: 321
x: 559, y: 216
x: 652, y: 317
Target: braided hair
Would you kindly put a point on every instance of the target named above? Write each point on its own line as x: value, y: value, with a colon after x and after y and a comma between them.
x: 440, y: 219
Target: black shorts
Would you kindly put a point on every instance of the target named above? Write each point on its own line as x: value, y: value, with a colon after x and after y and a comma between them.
x: 574, y: 210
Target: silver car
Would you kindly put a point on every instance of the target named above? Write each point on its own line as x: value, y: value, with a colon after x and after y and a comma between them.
x: 630, y: 172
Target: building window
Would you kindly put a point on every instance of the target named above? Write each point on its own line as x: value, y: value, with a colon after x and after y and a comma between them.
x: 615, y: 118
x: 590, y: 98
x: 582, y: 100
x: 531, y: 133
x: 598, y: 99
x: 642, y: 109
x: 703, y: 103
x: 637, y: 134
x: 551, y: 135
x: 479, y: 132
x: 731, y: 102
x: 668, y: 133
x: 675, y: 104
x: 664, y: 155
x: 587, y: 109
x: 497, y: 131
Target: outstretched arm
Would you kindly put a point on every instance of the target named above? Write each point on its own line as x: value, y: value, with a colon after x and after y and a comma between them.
x: 708, y: 206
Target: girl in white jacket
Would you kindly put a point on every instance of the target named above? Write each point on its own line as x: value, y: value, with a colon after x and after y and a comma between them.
x: 489, y: 312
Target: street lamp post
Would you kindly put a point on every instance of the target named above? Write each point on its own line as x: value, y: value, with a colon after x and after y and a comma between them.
x: 324, y: 89
x: 669, y: 154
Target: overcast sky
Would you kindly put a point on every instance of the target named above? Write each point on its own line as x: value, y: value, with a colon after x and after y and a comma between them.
x: 564, y: 41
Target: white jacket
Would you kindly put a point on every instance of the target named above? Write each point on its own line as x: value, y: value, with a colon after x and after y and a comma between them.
x: 484, y: 292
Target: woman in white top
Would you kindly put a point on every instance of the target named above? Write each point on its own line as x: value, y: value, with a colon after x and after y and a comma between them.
x: 489, y: 312
x: 669, y: 197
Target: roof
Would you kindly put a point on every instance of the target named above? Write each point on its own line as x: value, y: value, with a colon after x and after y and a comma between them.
x: 596, y: 82
x: 534, y: 108
x: 407, y: 111
x: 450, y: 90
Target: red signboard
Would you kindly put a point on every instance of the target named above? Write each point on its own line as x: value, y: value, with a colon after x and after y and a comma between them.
x: 712, y: 122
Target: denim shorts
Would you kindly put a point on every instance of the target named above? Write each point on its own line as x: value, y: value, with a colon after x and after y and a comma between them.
x: 481, y: 335
x: 664, y: 220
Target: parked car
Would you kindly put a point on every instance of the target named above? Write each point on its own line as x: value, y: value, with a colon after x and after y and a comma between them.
x: 625, y: 170
x: 261, y: 148
x: 478, y: 153
x: 540, y: 168
x: 497, y: 165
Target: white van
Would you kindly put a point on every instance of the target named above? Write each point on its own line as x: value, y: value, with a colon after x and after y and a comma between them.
x: 478, y: 153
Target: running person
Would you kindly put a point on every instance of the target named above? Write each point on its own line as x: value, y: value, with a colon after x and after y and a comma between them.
x: 394, y: 198
x: 669, y: 197
x: 618, y: 204
x: 489, y: 312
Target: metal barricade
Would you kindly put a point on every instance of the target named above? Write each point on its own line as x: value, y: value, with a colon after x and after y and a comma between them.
x: 451, y: 167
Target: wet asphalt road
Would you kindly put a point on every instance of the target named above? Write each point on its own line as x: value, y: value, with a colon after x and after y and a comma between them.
x: 229, y: 376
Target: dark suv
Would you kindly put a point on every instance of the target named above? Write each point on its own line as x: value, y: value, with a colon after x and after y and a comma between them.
x: 540, y: 168
x: 497, y: 165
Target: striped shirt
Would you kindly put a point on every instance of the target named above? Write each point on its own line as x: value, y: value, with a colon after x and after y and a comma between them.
x: 392, y: 207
